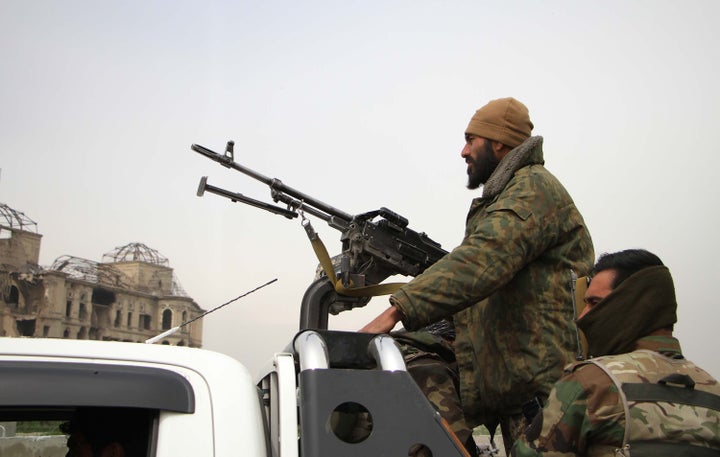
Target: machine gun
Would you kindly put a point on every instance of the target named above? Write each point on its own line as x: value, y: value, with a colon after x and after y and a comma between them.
x: 375, y: 245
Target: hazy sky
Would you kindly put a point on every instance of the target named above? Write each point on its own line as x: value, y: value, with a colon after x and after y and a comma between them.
x: 362, y: 105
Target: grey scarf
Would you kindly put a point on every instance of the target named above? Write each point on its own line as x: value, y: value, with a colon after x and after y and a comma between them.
x: 512, y: 162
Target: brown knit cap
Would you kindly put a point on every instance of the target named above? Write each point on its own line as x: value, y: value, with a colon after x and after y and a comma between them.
x: 505, y: 120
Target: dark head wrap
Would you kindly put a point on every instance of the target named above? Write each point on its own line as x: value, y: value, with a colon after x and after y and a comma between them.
x: 641, y: 304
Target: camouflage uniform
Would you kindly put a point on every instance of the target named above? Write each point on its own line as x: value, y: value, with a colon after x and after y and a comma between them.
x: 430, y: 360
x: 586, y: 414
x: 522, y: 238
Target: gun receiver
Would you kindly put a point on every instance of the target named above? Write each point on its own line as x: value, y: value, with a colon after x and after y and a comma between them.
x: 375, y: 245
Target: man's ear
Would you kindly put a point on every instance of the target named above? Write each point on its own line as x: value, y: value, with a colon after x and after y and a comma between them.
x: 499, y: 149
x: 113, y: 449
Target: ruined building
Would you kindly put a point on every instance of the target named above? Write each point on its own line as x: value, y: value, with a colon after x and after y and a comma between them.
x: 131, y: 295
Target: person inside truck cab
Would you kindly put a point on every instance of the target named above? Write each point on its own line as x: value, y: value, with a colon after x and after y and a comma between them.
x: 107, y: 432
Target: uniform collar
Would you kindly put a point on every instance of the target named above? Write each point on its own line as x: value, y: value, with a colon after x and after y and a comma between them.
x: 666, y: 345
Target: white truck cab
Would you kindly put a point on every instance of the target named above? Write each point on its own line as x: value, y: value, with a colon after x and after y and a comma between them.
x: 201, y: 403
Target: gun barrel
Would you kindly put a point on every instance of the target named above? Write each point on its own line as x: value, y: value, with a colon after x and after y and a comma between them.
x: 274, y: 184
x: 229, y: 163
x: 308, y: 201
x: 235, y: 197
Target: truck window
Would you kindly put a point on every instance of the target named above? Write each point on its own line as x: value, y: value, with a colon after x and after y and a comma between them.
x: 66, y: 431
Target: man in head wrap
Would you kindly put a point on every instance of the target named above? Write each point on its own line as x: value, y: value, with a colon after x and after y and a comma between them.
x: 506, y: 287
x: 637, y: 394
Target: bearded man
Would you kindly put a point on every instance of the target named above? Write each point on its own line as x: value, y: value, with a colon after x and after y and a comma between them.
x: 506, y: 288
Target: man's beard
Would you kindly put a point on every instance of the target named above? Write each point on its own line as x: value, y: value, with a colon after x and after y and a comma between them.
x: 480, y: 169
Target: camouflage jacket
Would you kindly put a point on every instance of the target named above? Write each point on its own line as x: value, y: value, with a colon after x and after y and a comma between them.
x: 587, y: 411
x: 507, y: 287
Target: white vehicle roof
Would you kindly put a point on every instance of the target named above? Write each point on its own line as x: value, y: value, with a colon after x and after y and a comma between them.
x: 113, y: 350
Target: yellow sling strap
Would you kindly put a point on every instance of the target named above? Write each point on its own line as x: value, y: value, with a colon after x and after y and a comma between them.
x: 327, y: 266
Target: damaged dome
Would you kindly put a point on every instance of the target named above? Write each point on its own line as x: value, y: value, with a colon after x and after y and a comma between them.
x: 16, y: 219
x: 135, y: 252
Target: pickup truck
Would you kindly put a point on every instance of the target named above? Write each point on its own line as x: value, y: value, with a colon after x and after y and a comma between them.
x: 328, y: 393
